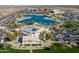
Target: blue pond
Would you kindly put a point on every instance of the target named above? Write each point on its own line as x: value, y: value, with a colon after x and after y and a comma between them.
x: 45, y: 20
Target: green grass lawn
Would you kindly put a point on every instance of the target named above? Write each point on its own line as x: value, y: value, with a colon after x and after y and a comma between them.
x: 58, y: 19
x: 52, y: 50
x: 6, y: 48
x: 55, y: 48
x: 10, y: 50
x: 36, y: 44
x: 26, y: 44
x: 58, y: 48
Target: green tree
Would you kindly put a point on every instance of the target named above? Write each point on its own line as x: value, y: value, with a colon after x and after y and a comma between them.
x: 53, y: 28
x: 17, y: 33
x: 12, y: 36
x: 49, y: 36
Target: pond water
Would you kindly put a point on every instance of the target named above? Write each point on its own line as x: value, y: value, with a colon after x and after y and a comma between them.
x: 45, y: 20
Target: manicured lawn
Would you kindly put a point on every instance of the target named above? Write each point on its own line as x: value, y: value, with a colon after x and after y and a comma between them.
x: 42, y: 51
x: 36, y: 44
x: 58, y: 19
x: 6, y: 48
x: 58, y: 48
x: 32, y: 44
x: 52, y: 50
x: 55, y: 48
x: 66, y: 50
x: 10, y: 50
x: 26, y: 44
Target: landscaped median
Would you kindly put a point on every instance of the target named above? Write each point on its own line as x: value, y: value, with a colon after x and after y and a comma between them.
x: 32, y: 44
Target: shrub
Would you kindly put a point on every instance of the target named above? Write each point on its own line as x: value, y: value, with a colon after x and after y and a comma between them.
x: 1, y: 45
x: 26, y: 44
x: 5, y: 45
x: 46, y: 48
x: 58, y: 44
x: 8, y: 45
x: 36, y: 44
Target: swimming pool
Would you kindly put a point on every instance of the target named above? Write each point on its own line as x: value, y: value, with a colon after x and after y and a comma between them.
x: 45, y: 20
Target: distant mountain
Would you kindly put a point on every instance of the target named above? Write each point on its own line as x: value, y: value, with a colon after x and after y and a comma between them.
x: 44, y: 6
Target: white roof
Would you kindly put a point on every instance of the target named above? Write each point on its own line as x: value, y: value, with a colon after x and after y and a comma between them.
x: 33, y: 38
x: 2, y: 27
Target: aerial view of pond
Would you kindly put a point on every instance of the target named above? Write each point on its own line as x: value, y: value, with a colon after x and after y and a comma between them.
x: 44, y: 20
